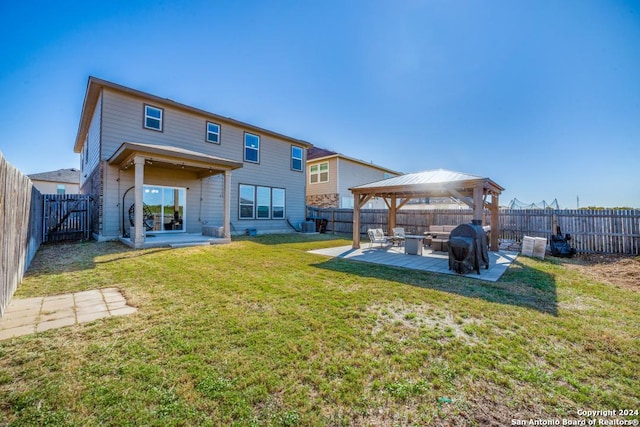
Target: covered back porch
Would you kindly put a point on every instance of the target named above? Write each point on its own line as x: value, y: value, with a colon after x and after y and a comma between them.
x: 163, y: 221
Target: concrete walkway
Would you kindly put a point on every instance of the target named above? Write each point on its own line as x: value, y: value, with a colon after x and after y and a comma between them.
x: 433, y: 261
x: 31, y: 315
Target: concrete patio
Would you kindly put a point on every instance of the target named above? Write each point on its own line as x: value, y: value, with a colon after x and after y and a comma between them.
x: 176, y: 240
x: 432, y: 261
x: 31, y: 315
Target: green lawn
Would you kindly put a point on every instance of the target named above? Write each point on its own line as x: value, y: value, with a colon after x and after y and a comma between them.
x: 260, y: 332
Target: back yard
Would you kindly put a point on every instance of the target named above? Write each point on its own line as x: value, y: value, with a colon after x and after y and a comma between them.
x: 259, y: 332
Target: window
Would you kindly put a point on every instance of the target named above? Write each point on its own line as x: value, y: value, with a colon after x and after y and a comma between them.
x: 388, y: 175
x: 213, y: 133
x: 153, y: 118
x: 261, y: 202
x: 247, y: 201
x: 61, y: 189
x: 319, y: 173
x: 263, y: 197
x: 86, y: 148
x: 251, y: 148
x: 296, y: 158
x: 277, y: 203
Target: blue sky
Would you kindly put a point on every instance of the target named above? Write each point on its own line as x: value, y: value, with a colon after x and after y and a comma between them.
x: 541, y: 96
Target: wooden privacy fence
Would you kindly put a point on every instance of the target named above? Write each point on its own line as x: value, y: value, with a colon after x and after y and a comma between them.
x: 20, y: 228
x: 66, y: 217
x: 593, y: 231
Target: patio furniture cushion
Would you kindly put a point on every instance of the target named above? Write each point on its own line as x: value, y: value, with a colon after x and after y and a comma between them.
x: 441, y: 245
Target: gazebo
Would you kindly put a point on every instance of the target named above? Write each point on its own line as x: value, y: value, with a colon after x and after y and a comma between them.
x: 397, y: 191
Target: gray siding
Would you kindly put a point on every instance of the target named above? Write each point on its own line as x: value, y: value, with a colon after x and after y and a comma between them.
x: 353, y: 174
x: 122, y: 119
x: 90, y: 160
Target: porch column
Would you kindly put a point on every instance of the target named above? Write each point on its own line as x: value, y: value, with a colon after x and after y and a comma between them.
x: 495, y: 222
x: 227, y: 204
x: 138, y: 238
x: 356, y: 221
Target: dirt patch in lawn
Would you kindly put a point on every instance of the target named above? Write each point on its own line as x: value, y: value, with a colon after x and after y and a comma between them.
x: 616, y: 270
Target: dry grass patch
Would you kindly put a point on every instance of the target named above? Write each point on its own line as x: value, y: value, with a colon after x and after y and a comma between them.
x: 615, y: 270
x: 403, y: 319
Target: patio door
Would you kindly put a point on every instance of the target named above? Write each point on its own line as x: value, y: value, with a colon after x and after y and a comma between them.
x: 168, y: 207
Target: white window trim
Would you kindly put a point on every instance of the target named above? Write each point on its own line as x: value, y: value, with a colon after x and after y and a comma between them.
x: 251, y: 148
x: 147, y: 116
x: 212, y: 133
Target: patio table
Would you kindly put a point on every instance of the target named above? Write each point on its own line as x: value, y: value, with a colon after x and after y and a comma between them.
x: 413, y: 244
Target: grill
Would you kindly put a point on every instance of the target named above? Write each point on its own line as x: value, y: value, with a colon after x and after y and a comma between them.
x: 468, y: 248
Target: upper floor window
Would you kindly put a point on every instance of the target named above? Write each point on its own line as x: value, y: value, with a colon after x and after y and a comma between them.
x: 319, y: 173
x: 153, y: 118
x: 213, y: 133
x: 296, y: 158
x: 251, y: 148
x: 61, y: 189
x: 388, y: 175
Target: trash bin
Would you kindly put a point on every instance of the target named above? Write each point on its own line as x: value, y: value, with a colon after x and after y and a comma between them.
x: 308, y: 226
x: 321, y: 223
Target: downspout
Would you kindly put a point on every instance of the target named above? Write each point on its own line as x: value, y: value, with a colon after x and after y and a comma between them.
x: 338, y: 181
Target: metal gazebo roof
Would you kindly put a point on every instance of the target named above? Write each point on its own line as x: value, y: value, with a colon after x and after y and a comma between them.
x: 431, y: 183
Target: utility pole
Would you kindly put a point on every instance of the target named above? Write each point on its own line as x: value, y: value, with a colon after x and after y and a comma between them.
x: 578, y: 201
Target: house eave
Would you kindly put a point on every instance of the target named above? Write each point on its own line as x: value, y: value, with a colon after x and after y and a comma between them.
x: 95, y: 86
x: 351, y: 159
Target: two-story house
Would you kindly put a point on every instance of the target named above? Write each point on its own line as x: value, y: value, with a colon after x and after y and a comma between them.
x: 61, y: 181
x: 153, y: 165
x: 331, y: 174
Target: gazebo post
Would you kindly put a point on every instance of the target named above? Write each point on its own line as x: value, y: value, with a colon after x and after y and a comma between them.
x: 495, y: 222
x: 392, y: 216
x: 478, y: 202
x: 356, y: 222
x: 360, y: 200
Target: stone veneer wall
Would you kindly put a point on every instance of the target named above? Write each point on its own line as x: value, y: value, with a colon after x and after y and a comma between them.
x: 324, y: 200
x: 94, y: 187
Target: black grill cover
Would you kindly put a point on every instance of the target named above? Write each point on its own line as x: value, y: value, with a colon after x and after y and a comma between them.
x: 468, y: 249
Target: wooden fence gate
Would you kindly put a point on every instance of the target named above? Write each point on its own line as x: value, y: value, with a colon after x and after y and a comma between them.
x: 66, y: 217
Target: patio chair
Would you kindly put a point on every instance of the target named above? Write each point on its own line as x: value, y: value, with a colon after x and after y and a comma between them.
x: 376, y: 235
x: 398, y: 236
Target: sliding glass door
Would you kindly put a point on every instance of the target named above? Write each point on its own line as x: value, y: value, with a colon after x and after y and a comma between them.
x: 168, y: 207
